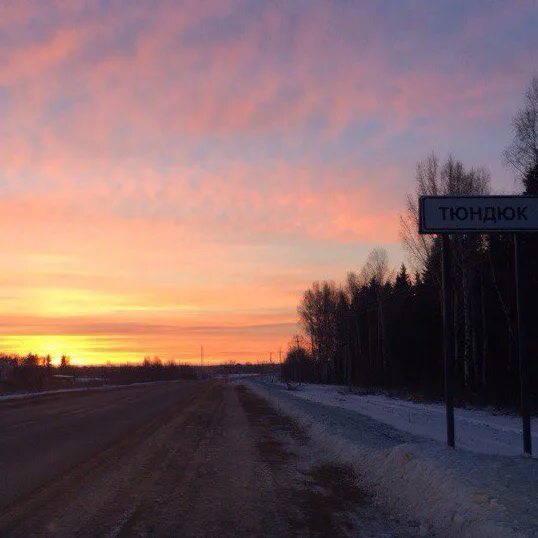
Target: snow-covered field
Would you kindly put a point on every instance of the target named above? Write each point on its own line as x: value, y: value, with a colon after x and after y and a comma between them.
x: 476, y: 429
x: 452, y: 492
x: 24, y: 395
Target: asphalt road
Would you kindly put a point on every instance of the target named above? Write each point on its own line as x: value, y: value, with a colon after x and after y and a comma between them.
x: 176, y: 459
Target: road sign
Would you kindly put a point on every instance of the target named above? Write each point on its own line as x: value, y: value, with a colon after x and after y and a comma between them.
x: 482, y: 214
x: 446, y: 215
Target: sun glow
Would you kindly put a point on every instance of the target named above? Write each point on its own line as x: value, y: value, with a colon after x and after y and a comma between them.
x: 80, y: 349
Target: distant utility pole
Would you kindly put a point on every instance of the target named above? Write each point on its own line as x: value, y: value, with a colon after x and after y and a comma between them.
x: 201, y: 356
x: 297, y: 359
x: 271, y: 357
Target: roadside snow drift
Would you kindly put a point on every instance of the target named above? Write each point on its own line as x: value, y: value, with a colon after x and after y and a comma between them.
x: 452, y: 492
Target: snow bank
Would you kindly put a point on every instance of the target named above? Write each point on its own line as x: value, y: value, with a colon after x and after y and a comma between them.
x: 476, y: 429
x: 453, y: 492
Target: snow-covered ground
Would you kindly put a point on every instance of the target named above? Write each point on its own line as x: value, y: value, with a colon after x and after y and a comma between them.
x: 478, y: 430
x: 24, y: 395
x: 452, y: 492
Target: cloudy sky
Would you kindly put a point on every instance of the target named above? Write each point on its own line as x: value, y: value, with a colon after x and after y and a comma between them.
x: 174, y: 173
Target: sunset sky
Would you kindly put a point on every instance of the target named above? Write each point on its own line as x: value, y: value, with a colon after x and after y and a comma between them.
x: 174, y: 174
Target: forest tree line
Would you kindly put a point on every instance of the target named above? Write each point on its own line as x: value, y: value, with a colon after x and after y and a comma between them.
x: 35, y: 372
x: 383, y: 328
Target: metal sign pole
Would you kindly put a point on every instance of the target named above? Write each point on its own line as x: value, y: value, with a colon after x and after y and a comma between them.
x: 522, y: 349
x: 448, y: 335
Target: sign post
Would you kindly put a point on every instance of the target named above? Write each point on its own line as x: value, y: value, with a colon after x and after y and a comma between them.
x: 448, y: 336
x: 446, y: 215
x: 522, y: 349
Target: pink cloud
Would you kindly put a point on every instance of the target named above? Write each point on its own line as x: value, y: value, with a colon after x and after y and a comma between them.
x: 165, y: 85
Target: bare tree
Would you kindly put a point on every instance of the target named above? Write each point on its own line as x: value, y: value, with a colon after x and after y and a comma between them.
x: 458, y: 181
x: 418, y: 246
x: 522, y: 153
x: 317, y: 313
x: 449, y: 179
x: 376, y: 272
x: 354, y: 285
x: 376, y: 267
x: 432, y: 179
